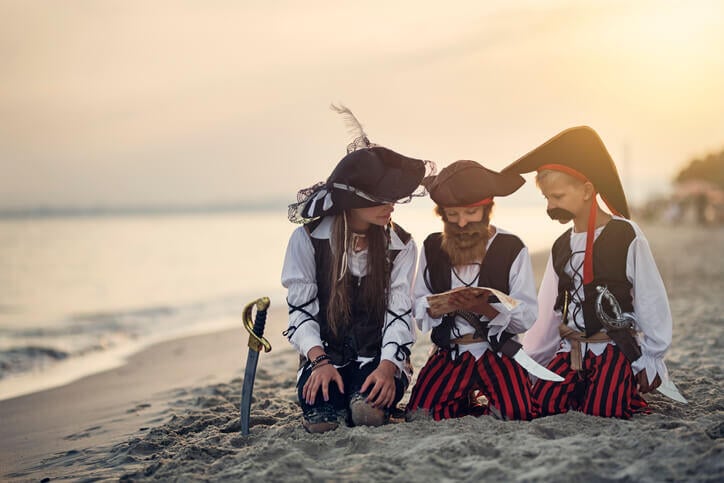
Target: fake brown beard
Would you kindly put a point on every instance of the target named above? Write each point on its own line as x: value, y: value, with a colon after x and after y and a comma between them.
x: 465, y: 245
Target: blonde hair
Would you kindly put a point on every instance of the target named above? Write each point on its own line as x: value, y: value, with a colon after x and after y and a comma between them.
x: 544, y: 174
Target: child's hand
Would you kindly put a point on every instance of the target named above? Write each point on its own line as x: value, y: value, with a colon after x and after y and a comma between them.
x: 382, y: 381
x: 321, y: 377
x: 476, y: 303
x: 643, y: 385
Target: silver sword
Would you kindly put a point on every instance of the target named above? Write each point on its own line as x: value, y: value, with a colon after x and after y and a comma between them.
x: 530, y: 365
x: 256, y: 343
x: 514, y: 349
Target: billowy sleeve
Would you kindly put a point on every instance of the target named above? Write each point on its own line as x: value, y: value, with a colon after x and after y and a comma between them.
x: 300, y: 280
x: 522, y: 288
x: 542, y: 340
x: 425, y: 322
x: 398, y: 333
x: 651, y: 309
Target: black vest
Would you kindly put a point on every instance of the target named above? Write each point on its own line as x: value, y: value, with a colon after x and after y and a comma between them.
x: 363, y: 335
x: 610, y: 251
x: 494, y: 273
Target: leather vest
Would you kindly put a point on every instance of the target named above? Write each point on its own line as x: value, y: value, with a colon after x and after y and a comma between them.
x: 610, y: 250
x: 494, y: 273
x: 363, y: 335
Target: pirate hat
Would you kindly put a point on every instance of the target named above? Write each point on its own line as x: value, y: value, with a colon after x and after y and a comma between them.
x: 468, y: 183
x: 363, y: 178
x: 369, y: 175
x: 580, y: 152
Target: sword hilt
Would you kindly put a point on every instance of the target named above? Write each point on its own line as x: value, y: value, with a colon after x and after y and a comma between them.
x: 618, y: 320
x: 256, y: 328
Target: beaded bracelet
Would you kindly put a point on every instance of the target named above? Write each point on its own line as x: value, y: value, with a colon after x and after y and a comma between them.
x: 320, y: 364
x: 319, y: 359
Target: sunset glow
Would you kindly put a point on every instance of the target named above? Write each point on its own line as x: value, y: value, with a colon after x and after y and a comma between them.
x: 135, y: 103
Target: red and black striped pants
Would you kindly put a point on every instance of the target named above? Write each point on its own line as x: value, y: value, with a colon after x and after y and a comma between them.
x: 444, y: 386
x: 604, y: 387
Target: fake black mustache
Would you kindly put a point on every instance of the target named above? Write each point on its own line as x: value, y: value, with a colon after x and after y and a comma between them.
x: 560, y: 214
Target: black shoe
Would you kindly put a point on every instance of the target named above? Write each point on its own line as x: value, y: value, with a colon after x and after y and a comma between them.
x: 320, y: 419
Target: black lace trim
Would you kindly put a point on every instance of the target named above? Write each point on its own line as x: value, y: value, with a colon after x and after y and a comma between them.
x: 577, y: 284
x: 403, y: 351
x: 289, y: 333
x: 396, y: 318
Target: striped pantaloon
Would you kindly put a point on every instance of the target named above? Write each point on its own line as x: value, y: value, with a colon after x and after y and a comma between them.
x: 445, y: 385
x: 605, y: 386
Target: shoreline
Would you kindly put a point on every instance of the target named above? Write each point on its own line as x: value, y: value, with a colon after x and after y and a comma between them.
x: 104, y: 408
x: 76, y: 368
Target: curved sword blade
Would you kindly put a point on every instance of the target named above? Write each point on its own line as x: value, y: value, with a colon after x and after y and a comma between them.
x: 256, y: 344
x: 247, y: 389
x: 534, y: 368
x: 669, y: 389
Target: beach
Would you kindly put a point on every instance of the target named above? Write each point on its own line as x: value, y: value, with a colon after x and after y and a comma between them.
x: 172, y: 412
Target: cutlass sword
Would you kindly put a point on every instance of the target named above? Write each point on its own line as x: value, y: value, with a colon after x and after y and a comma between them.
x: 530, y: 365
x: 669, y: 389
x: 505, y: 344
x: 514, y: 349
x: 256, y: 343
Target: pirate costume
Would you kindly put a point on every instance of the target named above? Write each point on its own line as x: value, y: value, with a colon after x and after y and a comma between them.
x: 467, y: 363
x: 589, y: 275
x: 367, y: 176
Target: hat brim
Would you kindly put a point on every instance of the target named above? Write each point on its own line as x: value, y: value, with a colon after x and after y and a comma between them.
x: 466, y: 182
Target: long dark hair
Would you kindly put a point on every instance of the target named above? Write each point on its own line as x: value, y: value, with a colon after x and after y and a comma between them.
x: 377, y: 280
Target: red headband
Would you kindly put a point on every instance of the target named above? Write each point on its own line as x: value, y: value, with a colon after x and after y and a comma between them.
x: 482, y: 202
x: 565, y: 169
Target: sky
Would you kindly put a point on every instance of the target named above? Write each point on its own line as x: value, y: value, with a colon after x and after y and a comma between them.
x: 135, y: 103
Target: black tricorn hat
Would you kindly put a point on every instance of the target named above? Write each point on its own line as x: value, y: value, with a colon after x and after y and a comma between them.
x: 365, y: 177
x: 579, y: 149
x: 464, y: 183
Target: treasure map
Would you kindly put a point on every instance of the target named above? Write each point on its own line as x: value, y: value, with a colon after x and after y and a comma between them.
x: 440, y: 303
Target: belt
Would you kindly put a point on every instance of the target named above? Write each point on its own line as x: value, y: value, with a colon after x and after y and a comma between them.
x: 467, y: 339
x: 623, y: 338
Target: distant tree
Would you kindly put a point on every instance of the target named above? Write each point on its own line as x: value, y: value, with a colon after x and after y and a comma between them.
x: 711, y: 169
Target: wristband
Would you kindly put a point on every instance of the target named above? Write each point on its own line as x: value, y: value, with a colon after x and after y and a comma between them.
x: 320, y: 364
x: 319, y: 359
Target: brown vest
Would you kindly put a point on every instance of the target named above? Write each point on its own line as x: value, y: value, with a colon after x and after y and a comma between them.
x: 494, y: 273
x: 609, y: 267
x: 363, y: 335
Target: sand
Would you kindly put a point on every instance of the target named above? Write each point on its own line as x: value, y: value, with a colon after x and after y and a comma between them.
x: 172, y: 413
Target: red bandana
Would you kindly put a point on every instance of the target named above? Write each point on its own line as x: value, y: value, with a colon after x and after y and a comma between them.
x: 482, y: 202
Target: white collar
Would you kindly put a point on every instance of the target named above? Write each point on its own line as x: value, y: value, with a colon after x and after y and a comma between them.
x: 324, y: 232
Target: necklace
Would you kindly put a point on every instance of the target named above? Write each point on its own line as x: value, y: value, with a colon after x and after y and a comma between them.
x: 455, y: 272
x: 359, y: 241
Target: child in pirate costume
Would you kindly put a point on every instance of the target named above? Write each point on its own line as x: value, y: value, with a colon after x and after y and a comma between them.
x: 468, y: 361
x: 604, y: 322
x: 348, y: 272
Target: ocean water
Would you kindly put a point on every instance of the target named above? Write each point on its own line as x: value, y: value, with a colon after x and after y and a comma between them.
x: 79, y: 294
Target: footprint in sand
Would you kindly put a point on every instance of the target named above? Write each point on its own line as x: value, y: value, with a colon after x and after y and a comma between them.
x: 138, y: 408
x: 83, y: 434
